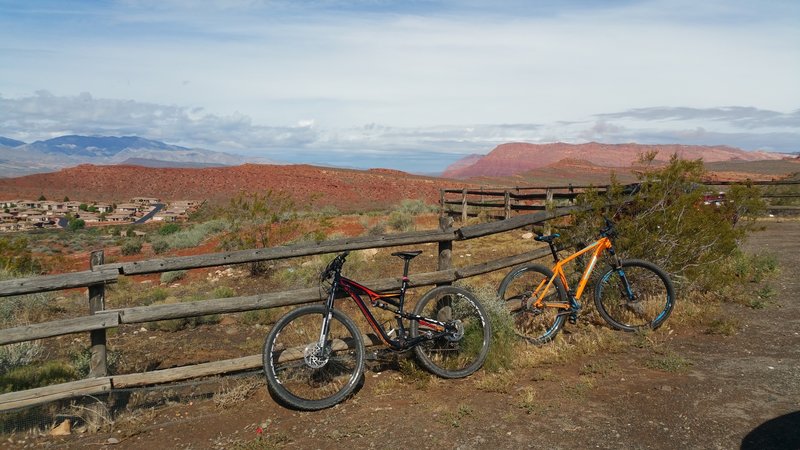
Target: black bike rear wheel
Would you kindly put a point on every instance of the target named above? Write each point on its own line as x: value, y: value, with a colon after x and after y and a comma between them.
x: 638, y: 295
x: 299, y: 373
x: 459, y: 354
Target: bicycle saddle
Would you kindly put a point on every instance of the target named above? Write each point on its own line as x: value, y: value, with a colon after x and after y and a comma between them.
x: 407, y: 255
x: 549, y: 238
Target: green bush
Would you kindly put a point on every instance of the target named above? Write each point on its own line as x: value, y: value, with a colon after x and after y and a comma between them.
x: 81, y: 361
x: 169, y: 228
x: 160, y: 246
x: 400, y: 220
x: 33, y: 376
x: 666, y: 223
x: 171, y: 277
x: 76, y: 224
x: 503, y: 351
x: 415, y: 207
x: 131, y: 247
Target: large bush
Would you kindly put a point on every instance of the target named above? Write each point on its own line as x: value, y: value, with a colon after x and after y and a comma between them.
x: 666, y: 222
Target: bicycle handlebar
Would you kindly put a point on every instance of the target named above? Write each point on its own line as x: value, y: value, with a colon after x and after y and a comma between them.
x: 608, y: 230
x: 334, y: 266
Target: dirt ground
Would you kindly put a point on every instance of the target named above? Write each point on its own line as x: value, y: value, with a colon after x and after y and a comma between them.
x: 725, y: 391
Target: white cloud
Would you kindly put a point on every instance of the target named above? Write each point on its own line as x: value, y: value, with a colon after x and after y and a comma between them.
x: 441, y: 76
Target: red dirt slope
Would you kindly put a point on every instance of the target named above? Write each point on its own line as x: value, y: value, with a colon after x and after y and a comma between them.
x: 347, y: 190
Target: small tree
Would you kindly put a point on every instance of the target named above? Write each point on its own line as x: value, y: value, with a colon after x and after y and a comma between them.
x: 76, y: 224
x: 66, y: 199
x: 42, y: 198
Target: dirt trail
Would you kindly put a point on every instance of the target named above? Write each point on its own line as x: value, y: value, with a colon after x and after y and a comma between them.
x: 740, y: 391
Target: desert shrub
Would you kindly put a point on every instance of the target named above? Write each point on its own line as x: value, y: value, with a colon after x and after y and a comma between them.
x: 169, y: 228
x: 160, y: 246
x: 258, y: 220
x: 223, y: 292
x: 415, y: 207
x: 20, y: 354
x: 193, y: 236
x: 173, y: 276
x: 503, y: 350
x: 665, y: 223
x: 377, y: 229
x: 155, y: 295
x: 257, y: 317
x: 400, y: 221
x: 81, y: 361
x: 131, y: 247
x: 21, y: 309
x: 16, y: 257
x: 38, y: 375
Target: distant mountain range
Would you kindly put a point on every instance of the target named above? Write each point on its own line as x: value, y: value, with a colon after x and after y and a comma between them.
x: 19, y: 158
x: 518, y: 158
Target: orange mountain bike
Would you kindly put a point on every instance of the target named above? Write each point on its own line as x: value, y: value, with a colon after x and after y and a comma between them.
x: 632, y: 294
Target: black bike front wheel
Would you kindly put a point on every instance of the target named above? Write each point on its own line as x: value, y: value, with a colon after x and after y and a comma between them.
x: 304, y: 375
x: 462, y: 352
x: 520, y: 289
x: 636, y: 296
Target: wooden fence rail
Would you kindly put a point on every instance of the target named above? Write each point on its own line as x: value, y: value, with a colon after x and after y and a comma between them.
x: 101, y: 319
x: 501, y: 203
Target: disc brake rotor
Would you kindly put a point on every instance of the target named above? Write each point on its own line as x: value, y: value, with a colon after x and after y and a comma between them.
x: 315, y: 356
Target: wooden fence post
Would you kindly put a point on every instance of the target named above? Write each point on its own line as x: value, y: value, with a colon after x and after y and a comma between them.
x: 464, y: 206
x: 441, y: 203
x: 445, y: 247
x: 507, y: 204
x: 97, y: 293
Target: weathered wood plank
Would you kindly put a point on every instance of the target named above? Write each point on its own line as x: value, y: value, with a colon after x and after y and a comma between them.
x: 292, y: 251
x: 511, y: 261
x: 38, y: 396
x: 219, y: 367
x: 46, y: 283
x: 186, y: 372
x: 270, y: 300
x: 484, y: 229
x: 58, y: 328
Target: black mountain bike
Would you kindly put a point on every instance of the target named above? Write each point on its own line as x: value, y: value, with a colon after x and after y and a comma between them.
x: 314, y: 355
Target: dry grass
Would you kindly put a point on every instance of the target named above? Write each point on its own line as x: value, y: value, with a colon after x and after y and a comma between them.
x: 236, y: 391
x: 567, y: 348
x: 500, y: 382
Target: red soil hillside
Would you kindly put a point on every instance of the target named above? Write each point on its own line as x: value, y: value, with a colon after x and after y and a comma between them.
x: 347, y: 190
x: 516, y: 158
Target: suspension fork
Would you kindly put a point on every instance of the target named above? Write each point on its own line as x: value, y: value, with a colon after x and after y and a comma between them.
x: 617, y: 266
x: 326, y: 319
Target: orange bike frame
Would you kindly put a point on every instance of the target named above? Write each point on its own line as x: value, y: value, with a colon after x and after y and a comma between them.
x: 597, y: 248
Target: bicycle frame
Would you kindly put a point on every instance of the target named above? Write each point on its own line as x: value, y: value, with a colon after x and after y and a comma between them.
x: 597, y: 248
x: 393, y: 302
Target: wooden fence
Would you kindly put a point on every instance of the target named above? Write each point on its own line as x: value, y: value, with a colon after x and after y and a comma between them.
x: 501, y: 203
x: 99, y: 319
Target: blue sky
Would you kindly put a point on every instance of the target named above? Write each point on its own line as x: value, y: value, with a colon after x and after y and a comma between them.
x: 411, y: 85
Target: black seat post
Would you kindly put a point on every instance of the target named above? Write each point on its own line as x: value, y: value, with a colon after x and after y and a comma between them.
x: 405, y: 268
x: 553, y: 250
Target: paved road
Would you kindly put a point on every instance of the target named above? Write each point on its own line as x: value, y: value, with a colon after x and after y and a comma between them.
x: 148, y: 216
